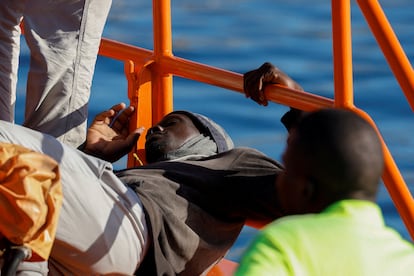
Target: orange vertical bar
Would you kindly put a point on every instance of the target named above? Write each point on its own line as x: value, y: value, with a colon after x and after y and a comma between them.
x: 390, y: 46
x: 342, y: 53
x: 139, y: 94
x: 162, y: 92
x: 130, y: 74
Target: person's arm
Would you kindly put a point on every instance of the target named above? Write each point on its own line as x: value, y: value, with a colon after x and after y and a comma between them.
x: 109, y: 137
x: 255, y: 81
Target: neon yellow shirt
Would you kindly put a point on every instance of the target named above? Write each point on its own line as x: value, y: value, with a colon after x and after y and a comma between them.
x: 348, y: 238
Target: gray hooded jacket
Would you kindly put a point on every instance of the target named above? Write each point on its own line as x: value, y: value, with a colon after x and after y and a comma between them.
x: 197, y: 204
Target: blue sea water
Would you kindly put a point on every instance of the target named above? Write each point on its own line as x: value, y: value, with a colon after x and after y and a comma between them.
x: 239, y: 35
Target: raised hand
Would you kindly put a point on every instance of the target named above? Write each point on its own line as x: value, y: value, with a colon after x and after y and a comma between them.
x: 256, y: 80
x: 109, y: 137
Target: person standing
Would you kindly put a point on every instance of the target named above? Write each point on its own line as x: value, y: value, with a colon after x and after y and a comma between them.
x: 63, y: 37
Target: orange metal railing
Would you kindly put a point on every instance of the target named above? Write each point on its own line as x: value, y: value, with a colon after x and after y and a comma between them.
x: 150, y: 75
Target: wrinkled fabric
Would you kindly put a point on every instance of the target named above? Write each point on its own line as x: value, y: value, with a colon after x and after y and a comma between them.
x: 100, y: 220
x: 195, y: 148
x: 196, y: 209
x: 30, y: 198
x: 63, y: 37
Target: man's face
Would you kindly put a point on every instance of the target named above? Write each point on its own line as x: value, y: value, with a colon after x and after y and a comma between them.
x: 168, y: 135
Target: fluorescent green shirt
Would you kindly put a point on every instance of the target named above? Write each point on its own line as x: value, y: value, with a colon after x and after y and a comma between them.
x: 348, y: 238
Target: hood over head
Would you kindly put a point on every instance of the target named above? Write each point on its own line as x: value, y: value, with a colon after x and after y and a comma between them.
x: 213, y: 139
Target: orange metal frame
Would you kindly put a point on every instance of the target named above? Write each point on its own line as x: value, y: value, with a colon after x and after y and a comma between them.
x: 150, y: 75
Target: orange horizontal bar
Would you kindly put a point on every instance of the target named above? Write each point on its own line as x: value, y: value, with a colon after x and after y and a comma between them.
x: 212, y: 75
x: 122, y: 51
x: 173, y: 65
x: 234, y: 81
x: 203, y: 73
x: 298, y: 99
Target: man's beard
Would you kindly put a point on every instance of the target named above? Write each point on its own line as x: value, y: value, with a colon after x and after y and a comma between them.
x: 154, y: 151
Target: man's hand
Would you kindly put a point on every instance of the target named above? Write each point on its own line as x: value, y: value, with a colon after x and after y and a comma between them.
x: 256, y: 80
x: 109, y: 137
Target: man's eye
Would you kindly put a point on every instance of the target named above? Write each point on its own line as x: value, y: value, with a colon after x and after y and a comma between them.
x: 169, y: 123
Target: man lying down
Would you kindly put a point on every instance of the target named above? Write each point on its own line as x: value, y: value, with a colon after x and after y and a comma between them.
x: 177, y: 215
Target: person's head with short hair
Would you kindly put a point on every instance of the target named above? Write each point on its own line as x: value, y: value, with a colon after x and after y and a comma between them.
x: 185, y: 135
x: 332, y: 154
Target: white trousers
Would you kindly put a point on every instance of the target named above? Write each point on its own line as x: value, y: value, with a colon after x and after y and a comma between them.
x: 63, y: 37
x: 101, y: 227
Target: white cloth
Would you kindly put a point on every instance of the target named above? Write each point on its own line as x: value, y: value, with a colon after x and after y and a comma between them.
x: 63, y: 37
x: 102, y: 226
